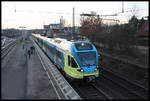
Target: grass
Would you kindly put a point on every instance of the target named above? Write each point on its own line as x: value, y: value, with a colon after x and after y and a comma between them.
x: 132, y: 73
x: 143, y: 41
x: 142, y: 60
x: 135, y: 60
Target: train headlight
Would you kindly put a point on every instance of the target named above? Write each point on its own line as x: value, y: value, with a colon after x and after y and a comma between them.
x: 95, y: 69
x: 81, y: 70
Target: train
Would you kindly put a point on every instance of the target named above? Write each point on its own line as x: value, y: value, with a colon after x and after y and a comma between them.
x: 77, y: 59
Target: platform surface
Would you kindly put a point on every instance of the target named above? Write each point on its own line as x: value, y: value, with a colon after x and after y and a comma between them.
x: 25, y: 79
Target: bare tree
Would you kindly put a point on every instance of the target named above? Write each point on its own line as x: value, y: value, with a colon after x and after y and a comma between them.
x: 90, y: 26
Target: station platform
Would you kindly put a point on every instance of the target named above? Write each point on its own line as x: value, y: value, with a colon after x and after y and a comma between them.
x: 25, y: 78
x: 14, y: 71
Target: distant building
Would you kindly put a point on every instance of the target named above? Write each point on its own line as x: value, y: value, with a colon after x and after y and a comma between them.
x: 46, y: 27
x: 52, y: 29
x: 67, y: 29
x: 56, y: 29
x: 55, y: 26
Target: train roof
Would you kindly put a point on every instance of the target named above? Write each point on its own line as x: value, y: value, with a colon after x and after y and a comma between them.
x: 60, y: 43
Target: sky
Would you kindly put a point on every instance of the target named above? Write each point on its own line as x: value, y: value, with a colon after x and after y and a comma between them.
x: 36, y: 14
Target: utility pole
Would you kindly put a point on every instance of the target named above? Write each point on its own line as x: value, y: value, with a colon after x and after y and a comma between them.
x: 61, y: 24
x: 122, y: 7
x: 73, y: 25
x: 15, y: 7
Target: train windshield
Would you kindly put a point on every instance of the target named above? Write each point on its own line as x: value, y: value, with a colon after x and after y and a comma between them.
x: 87, y: 58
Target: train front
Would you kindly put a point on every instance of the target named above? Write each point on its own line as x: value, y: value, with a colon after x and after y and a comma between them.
x: 86, y: 55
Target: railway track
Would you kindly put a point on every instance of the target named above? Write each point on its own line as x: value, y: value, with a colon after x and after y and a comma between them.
x: 89, y: 91
x: 133, y: 90
x: 110, y: 87
x: 131, y: 73
x: 7, y: 49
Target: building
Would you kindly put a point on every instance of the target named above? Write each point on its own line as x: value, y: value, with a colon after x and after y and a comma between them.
x: 52, y: 29
x: 67, y: 29
x: 144, y: 29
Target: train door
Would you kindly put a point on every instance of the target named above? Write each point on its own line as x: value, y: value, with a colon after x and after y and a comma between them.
x: 71, y: 62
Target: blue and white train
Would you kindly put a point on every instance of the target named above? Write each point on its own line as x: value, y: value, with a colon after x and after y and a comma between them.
x: 77, y: 59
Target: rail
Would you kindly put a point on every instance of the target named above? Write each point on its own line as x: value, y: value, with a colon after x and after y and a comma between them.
x: 7, y: 49
x: 131, y: 86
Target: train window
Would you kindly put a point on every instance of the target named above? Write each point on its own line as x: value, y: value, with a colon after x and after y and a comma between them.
x: 83, y: 46
x: 58, y: 56
x: 41, y: 42
x: 73, y: 63
x: 44, y: 44
x: 69, y: 62
x: 50, y: 48
x: 87, y: 58
x: 38, y: 39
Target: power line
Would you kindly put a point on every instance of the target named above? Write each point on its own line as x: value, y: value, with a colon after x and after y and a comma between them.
x: 43, y: 12
x: 131, y: 11
x: 116, y: 14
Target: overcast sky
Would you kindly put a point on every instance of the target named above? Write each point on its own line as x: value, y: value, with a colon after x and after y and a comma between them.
x: 36, y: 14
